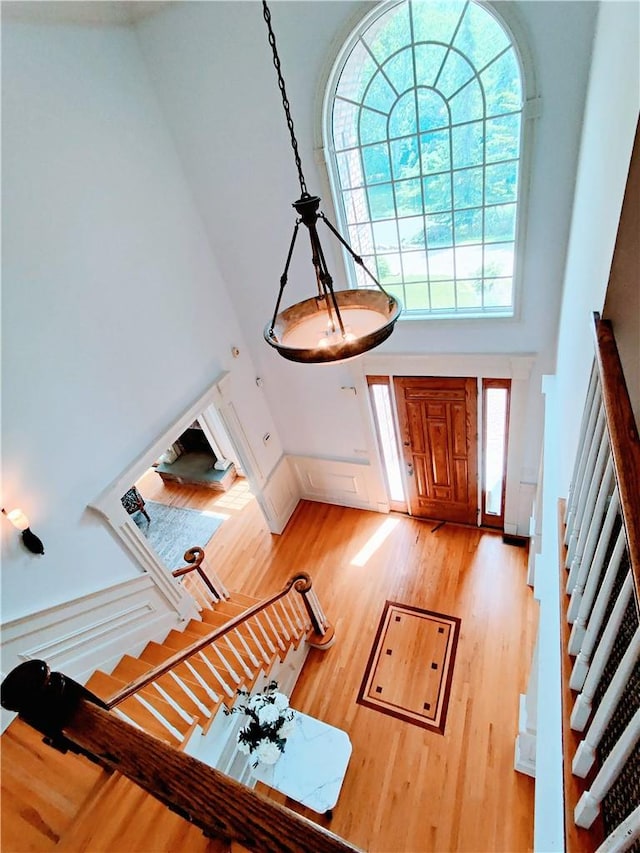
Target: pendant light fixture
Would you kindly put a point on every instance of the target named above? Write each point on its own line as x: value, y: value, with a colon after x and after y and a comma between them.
x: 332, y: 325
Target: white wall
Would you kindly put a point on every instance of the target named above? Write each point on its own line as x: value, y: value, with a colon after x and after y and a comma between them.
x: 115, y: 315
x: 212, y: 68
x: 611, y: 115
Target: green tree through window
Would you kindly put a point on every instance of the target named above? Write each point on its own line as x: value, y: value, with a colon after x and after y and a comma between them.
x: 425, y: 127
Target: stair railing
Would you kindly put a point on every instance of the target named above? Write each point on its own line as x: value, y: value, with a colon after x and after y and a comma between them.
x: 602, y: 539
x: 73, y: 719
x: 194, y: 558
x: 287, y: 613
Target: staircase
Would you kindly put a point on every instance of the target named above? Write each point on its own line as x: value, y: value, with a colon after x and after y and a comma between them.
x: 186, y: 706
x: 179, y: 691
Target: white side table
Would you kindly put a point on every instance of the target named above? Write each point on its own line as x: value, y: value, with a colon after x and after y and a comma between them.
x: 313, y: 765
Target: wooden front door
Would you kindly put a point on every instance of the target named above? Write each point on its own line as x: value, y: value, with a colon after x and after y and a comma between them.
x: 438, y: 432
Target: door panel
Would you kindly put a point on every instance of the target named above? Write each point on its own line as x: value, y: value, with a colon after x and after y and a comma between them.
x: 438, y: 426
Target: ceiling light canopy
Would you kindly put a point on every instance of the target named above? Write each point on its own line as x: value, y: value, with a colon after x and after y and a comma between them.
x: 332, y: 325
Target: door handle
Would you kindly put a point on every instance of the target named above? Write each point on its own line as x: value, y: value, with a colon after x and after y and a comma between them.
x: 410, y: 469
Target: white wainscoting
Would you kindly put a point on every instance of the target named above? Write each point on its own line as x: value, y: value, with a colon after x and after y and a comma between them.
x: 335, y: 481
x: 280, y: 495
x: 91, y: 632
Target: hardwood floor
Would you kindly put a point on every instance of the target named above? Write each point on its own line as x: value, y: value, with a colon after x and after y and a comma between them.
x: 407, y: 789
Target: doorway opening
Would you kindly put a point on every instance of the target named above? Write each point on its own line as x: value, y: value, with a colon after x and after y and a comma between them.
x: 191, y: 488
x: 429, y: 439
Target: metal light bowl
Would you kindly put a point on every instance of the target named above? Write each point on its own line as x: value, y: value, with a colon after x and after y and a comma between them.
x: 300, y: 333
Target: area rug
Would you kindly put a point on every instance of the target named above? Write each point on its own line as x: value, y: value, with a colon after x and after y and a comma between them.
x: 410, y: 667
x: 173, y: 530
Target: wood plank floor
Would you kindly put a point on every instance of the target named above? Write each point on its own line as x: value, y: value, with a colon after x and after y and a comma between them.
x: 407, y: 789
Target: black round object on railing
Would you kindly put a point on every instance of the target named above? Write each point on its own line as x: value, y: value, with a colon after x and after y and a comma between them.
x: 25, y: 686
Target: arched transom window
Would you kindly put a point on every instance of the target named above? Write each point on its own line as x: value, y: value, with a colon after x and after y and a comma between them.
x: 424, y: 115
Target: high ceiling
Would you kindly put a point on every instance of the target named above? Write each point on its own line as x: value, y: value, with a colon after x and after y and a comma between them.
x: 91, y: 12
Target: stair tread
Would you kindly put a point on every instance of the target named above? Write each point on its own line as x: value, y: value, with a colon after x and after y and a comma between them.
x: 105, y: 686
x: 131, y: 668
x: 241, y: 598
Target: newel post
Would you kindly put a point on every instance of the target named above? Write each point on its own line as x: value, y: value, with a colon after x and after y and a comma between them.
x: 46, y: 701
x: 194, y: 557
x: 323, y: 632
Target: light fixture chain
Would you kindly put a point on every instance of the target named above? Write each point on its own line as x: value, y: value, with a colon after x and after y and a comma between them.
x: 285, y: 100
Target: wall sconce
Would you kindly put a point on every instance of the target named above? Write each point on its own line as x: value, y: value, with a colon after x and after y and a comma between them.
x: 21, y: 522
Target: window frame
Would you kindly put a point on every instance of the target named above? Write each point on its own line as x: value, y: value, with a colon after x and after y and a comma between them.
x: 530, y: 110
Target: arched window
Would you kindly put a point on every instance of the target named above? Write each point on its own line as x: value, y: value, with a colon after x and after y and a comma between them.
x: 423, y: 123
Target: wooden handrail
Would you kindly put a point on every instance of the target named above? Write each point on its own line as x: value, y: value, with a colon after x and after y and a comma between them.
x: 73, y: 719
x: 623, y: 437
x: 301, y: 582
x: 194, y: 557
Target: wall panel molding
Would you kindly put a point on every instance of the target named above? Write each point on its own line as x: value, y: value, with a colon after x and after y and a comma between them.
x: 90, y: 632
x: 337, y: 481
x: 280, y: 495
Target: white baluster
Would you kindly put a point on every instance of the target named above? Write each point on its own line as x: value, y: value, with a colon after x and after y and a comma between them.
x: 246, y: 647
x: 585, y: 485
x: 583, y: 561
x: 273, y: 611
x: 172, y: 702
x: 585, y: 755
x: 216, y: 674
x: 238, y: 656
x: 588, y: 806
x: 604, y: 456
x: 261, y: 649
x: 580, y: 625
x: 294, y: 613
x: 287, y: 618
x: 275, y: 634
x: 594, y: 380
x: 624, y: 835
x: 267, y: 638
x: 225, y: 663
x: 596, y: 406
x: 582, y: 706
x: 298, y: 603
x: 202, y: 682
x: 188, y: 692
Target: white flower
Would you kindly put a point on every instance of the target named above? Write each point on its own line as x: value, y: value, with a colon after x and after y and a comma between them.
x: 268, y: 714
x: 244, y: 747
x: 280, y: 701
x: 256, y: 702
x: 267, y: 752
x: 287, y: 728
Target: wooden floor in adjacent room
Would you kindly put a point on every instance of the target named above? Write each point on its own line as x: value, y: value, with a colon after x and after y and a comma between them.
x: 407, y: 789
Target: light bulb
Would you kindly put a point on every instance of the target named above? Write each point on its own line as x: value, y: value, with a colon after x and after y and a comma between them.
x: 18, y: 519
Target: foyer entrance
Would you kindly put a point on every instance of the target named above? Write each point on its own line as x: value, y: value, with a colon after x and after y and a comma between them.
x: 438, y: 425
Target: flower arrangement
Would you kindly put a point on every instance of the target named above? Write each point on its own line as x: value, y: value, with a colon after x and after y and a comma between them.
x: 270, y: 722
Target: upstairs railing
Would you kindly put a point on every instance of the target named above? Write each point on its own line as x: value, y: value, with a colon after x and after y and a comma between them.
x: 73, y: 719
x: 602, y: 539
